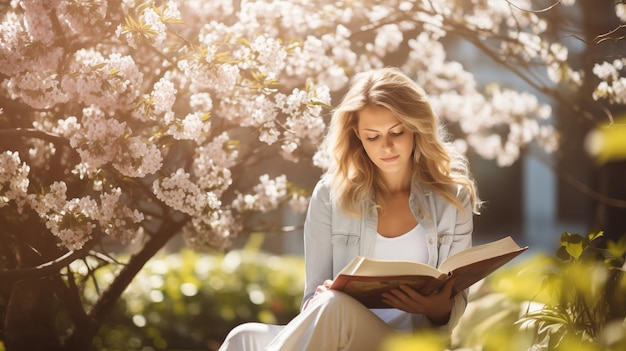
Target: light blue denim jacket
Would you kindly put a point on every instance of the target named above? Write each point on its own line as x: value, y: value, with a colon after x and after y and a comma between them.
x: 332, y: 237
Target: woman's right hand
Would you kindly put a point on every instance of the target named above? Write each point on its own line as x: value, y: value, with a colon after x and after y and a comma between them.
x: 320, y: 289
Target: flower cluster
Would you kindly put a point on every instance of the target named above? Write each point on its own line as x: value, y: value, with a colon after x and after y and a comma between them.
x: 265, y: 197
x: 109, y: 83
x: 118, y: 220
x: 160, y: 106
x: 13, y: 178
x: 151, y: 24
x: 96, y: 138
x: 612, y: 85
x: 482, y: 116
x: 74, y: 220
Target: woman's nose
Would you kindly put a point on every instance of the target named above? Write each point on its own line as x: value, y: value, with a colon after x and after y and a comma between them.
x: 387, y: 142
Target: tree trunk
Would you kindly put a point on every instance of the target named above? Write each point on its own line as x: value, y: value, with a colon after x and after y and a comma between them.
x: 29, y: 323
x: 39, y: 307
x: 609, y: 177
x: 82, y: 335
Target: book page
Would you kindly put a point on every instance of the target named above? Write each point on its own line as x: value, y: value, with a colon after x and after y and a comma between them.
x: 479, y: 253
x: 369, y: 267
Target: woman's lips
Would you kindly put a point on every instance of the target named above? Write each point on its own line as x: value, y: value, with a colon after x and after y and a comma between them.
x: 390, y: 159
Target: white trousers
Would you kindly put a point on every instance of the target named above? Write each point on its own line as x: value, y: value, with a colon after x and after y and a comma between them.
x: 332, y: 321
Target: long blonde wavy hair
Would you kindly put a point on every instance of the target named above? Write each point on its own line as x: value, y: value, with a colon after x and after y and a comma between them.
x: 437, y: 164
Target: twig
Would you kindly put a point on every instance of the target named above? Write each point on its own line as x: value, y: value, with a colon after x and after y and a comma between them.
x: 12, y: 275
x: 606, y: 36
x: 546, y: 9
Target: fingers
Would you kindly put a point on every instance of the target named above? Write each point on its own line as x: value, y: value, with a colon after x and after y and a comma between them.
x: 406, y: 299
x: 325, y: 286
x: 409, y: 300
x: 410, y: 293
x: 392, y: 300
x: 320, y: 289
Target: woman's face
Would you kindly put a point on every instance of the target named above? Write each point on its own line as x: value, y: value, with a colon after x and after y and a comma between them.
x: 386, y: 140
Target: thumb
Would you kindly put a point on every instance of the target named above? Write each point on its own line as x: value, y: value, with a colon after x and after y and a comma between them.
x: 447, y: 289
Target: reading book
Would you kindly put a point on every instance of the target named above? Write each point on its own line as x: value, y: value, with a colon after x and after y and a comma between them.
x: 366, y: 279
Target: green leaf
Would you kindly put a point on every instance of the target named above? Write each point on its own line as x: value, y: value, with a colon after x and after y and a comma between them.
x: 244, y: 41
x: 205, y: 116
x: 617, y: 249
x: 574, y: 244
x: 594, y: 235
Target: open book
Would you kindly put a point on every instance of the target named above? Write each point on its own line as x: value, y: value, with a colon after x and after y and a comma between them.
x: 366, y: 279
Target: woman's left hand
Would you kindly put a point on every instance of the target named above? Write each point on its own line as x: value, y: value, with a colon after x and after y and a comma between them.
x: 436, y: 307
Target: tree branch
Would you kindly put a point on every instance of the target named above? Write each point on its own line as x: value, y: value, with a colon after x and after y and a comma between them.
x: 70, y: 296
x: 45, y: 269
x: 38, y: 134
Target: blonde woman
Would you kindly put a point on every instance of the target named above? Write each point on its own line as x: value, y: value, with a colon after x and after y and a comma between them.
x: 395, y: 189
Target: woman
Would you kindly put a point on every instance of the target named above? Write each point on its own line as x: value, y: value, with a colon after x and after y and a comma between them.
x: 395, y: 190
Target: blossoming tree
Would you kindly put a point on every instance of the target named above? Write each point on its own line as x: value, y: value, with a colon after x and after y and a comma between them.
x: 130, y: 122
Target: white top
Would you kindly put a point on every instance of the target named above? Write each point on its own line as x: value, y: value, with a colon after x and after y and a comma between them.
x: 410, y: 246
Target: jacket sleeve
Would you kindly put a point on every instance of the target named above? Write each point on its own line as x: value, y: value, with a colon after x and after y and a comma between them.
x: 317, y: 240
x: 460, y: 226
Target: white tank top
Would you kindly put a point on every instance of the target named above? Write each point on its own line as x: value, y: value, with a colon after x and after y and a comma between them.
x: 410, y: 246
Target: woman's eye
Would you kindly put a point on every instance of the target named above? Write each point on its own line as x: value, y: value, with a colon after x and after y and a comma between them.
x: 372, y: 138
x: 397, y: 133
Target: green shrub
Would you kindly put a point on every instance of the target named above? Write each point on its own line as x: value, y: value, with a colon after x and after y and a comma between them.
x: 575, y: 300
x: 187, y: 300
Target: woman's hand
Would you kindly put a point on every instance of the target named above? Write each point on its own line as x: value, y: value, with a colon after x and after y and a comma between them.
x: 320, y: 289
x: 436, y: 307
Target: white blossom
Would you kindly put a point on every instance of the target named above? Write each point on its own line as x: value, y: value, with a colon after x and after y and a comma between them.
x: 270, y: 54
x: 192, y: 127
x: 214, y: 230
x: 181, y: 193
x: 38, y: 89
x: 13, y: 178
x: 201, y: 101
x: 266, y: 197
x: 612, y: 86
x: 117, y: 219
x: 137, y: 158
x: 79, y: 15
x: 164, y: 96
x: 37, y: 19
x: 108, y: 83
x: 74, y: 223
x: 96, y: 138
x: 620, y: 11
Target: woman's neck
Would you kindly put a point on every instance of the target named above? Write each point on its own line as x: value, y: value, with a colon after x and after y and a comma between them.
x: 396, y: 183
